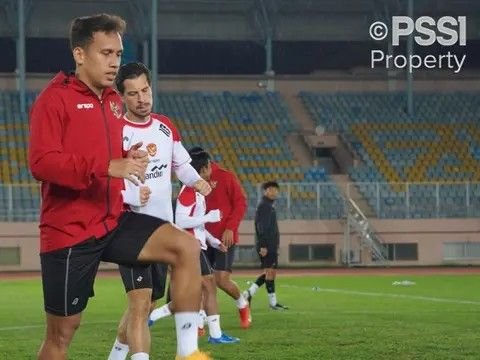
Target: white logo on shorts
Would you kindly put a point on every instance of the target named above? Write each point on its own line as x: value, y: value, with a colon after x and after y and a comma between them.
x: 140, y: 278
x: 75, y: 301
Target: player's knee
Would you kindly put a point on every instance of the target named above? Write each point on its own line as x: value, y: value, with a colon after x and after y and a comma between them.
x: 61, y: 334
x: 189, y: 248
x: 269, y: 273
x: 222, y: 279
x: 140, y: 308
x: 209, y: 285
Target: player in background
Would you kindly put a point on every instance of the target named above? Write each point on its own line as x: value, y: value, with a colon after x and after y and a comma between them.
x: 267, y: 241
x: 161, y: 140
x: 229, y: 197
x: 191, y: 215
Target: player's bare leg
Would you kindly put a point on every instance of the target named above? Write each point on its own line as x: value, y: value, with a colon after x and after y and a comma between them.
x: 217, y: 336
x: 178, y: 248
x: 59, y: 335
x: 224, y: 282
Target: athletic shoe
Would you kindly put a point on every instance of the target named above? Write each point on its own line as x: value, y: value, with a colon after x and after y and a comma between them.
x: 246, y: 294
x: 197, y: 355
x: 150, y: 322
x: 278, y: 306
x: 224, y: 339
x: 201, y: 332
x: 245, y: 319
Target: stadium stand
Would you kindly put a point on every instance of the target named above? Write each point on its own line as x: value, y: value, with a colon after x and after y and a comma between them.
x: 245, y: 132
x: 436, y: 152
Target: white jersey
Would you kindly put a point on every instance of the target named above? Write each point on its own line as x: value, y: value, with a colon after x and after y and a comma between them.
x: 162, y: 141
x: 192, y: 203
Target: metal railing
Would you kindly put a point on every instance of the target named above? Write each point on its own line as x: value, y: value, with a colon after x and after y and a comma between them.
x: 417, y: 200
x: 309, y: 201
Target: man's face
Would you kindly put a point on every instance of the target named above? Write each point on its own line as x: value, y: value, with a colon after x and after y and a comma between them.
x: 272, y: 193
x: 99, y: 61
x: 206, y: 172
x: 137, y: 96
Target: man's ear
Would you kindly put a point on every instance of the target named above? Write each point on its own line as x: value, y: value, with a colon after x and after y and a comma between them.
x: 79, y: 55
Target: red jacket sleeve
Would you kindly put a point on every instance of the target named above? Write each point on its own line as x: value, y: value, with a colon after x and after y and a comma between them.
x: 238, y: 201
x: 47, y: 159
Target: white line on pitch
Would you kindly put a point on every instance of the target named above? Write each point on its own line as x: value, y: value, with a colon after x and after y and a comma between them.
x: 387, y: 295
x: 35, y: 326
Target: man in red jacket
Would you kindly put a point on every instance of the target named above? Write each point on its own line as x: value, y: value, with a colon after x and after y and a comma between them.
x: 228, y: 196
x: 76, y: 151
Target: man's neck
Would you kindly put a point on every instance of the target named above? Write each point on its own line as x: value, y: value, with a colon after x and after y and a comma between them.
x: 136, y: 119
x: 97, y: 91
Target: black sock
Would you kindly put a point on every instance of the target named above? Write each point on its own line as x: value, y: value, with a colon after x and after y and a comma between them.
x: 260, y: 280
x: 270, y: 286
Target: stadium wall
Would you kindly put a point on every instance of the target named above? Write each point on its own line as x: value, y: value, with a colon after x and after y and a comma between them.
x: 287, y: 85
x: 429, y: 235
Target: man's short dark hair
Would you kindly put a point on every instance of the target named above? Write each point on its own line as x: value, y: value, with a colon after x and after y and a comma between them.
x: 270, y: 184
x: 83, y: 28
x: 198, y: 150
x: 200, y: 158
x: 131, y: 71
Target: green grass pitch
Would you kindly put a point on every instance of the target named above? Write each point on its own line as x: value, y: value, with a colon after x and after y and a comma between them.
x: 331, y: 317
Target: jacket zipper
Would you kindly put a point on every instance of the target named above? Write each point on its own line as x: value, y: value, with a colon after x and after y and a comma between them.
x: 107, y: 130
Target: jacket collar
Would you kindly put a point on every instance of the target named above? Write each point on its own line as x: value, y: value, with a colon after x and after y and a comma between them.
x: 69, y: 79
x: 267, y: 199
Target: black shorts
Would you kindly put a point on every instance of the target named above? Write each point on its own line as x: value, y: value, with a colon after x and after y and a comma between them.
x: 68, y: 274
x: 270, y: 261
x: 205, y: 266
x: 152, y: 276
x: 221, y: 261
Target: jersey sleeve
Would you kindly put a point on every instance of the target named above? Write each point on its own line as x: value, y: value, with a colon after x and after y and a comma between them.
x: 167, y: 122
x: 238, y: 200
x: 186, y: 197
x: 180, y: 155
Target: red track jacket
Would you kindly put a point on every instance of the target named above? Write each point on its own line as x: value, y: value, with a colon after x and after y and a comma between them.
x: 228, y: 196
x: 73, y: 136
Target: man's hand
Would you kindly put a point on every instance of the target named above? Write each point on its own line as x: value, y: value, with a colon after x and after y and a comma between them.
x: 144, y: 195
x: 227, y: 238
x: 222, y: 247
x: 263, y: 252
x: 136, y: 153
x: 128, y: 168
x: 202, y: 187
x: 217, y: 244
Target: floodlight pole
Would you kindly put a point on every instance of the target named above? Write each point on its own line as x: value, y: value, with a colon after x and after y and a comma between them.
x: 266, y: 16
x: 154, y: 46
x: 410, y: 110
x: 140, y: 10
x: 21, y: 68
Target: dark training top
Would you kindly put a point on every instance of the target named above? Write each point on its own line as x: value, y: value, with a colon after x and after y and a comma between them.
x: 266, y: 225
